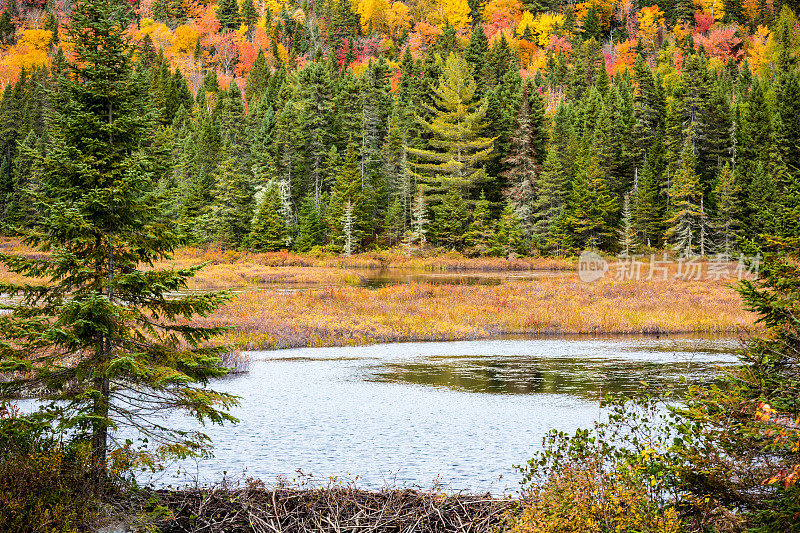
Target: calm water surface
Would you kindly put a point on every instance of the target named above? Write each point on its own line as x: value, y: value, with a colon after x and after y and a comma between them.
x: 460, y: 413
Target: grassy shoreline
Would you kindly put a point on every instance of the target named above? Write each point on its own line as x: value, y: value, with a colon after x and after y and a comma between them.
x: 267, y: 311
x: 342, y: 316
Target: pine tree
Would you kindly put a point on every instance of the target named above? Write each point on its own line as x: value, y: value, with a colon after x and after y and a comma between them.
x: 456, y: 149
x: 268, y: 231
x: 100, y: 340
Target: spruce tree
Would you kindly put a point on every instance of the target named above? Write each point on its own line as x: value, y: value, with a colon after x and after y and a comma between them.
x: 627, y: 231
x: 249, y: 13
x: 592, y: 209
x: 509, y: 237
x: 726, y: 197
x: 526, y: 157
x: 310, y: 226
x: 99, y: 341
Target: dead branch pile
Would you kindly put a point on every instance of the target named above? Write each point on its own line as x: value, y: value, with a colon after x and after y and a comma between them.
x: 255, y: 508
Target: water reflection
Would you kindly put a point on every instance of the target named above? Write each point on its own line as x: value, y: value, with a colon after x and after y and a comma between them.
x: 459, y: 412
x: 582, y: 377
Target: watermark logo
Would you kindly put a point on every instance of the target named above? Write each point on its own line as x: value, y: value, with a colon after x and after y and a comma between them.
x: 591, y: 267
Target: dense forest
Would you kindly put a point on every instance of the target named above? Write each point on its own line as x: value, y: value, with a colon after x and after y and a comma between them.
x: 490, y: 128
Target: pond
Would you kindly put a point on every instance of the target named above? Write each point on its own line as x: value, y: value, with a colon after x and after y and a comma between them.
x: 455, y: 413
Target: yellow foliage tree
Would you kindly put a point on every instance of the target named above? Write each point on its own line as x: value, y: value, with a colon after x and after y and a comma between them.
x: 715, y: 7
x: 372, y: 14
x: 456, y: 12
x: 542, y: 26
x: 398, y: 19
x: 604, y: 8
x: 184, y: 40
x: 651, y: 19
x: 31, y: 50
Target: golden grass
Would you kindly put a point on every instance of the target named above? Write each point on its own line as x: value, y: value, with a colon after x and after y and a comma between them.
x: 420, y: 311
x: 336, y: 311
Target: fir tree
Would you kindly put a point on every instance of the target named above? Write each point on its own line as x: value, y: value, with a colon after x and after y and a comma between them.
x: 480, y: 233
x: 268, y: 229
x: 684, y: 224
x: 451, y: 215
x: 99, y: 341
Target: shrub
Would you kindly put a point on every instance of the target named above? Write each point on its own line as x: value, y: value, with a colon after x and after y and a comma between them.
x: 44, y: 483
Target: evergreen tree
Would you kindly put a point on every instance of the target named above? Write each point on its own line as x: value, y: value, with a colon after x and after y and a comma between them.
x: 509, y: 238
x: 419, y: 220
x: 310, y: 226
x: 684, y: 224
x: 526, y: 157
x: 249, y: 13
x: 228, y: 15
x: 726, y: 197
x: 480, y: 233
x: 592, y: 209
x: 99, y: 341
x: 451, y: 215
x: 7, y: 29
x: 475, y: 56
x: 268, y: 231
x: 228, y: 220
x: 347, y: 204
x: 258, y: 81
x: 456, y: 149
x: 591, y: 26
x: 627, y: 231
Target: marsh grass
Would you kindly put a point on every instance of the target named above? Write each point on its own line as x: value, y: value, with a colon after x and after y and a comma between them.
x: 339, y: 312
x: 346, y: 315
